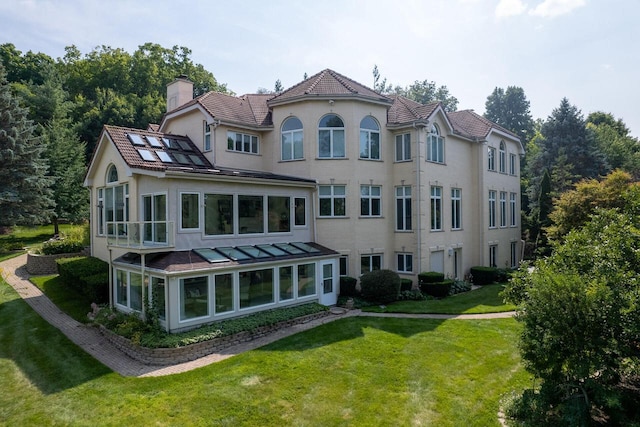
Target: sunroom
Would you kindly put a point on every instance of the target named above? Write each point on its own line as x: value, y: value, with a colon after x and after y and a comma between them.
x: 191, y: 288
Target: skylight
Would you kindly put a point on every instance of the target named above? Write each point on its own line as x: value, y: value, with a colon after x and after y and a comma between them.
x: 290, y: 248
x: 258, y: 253
x: 171, y: 143
x: 146, y: 155
x: 196, y: 160
x: 181, y: 158
x: 135, y: 139
x: 153, y: 141
x: 254, y: 252
x: 211, y: 255
x: 233, y: 253
x: 164, y: 156
x: 184, y: 145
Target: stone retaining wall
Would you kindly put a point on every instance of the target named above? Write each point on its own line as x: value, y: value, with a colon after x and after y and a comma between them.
x: 46, y: 264
x: 170, y: 356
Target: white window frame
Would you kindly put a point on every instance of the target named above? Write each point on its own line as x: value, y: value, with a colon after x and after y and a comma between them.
x: 435, y: 146
x: 402, y: 264
x: 294, y: 214
x: 514, y: 254
x: 206, y: 131
x: 370, y: 257
x: 332, y: 143
x: 493, y: 255
x: 367, y: 142
x: 182, y: 227
x: 512, y: 164
x: 491, y: 160
x: 368, y: 199
x: 253, y: 142
x: 403, y: 147
x: 492, y: 208
x: 333, y: 197
x: 503, y: 209
x: 502, y: 158
x: 456, y: 208
x: 513, y: 205
x: 436, y: 208
x: 343, y: 264
x: 403, y: 208
x: 296, y: 136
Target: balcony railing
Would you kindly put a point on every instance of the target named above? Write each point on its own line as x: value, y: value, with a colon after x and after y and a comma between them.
x: 141, y: 235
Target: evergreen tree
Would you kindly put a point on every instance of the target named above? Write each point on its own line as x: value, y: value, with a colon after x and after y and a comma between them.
x: 25, y: 194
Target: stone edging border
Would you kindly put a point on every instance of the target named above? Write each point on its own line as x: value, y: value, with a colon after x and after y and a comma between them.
x: 172, y: 356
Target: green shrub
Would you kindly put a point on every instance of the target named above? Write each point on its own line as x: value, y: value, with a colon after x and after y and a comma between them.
x: 484, y: 275
x: 62, y: 246
x: 87, y: 275
x: 430, y: 277
x: 406, y: 285
x: 413, y: 295
x: 438, y: 290
x: 348, y: 286
x: 380, y: 286
x: 459, y: 286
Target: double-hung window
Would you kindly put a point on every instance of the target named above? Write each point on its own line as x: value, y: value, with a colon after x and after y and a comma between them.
x: 292, y: 139
x: 512, y: 164
x: 207, y: 135
x: 403, y: 208
x: 435, y: 146
x: 370, y: 200
x: 403, y: 147
x: 369, y: 139
x: 513, y: 209
x: 241, y: 142
x: 331, y: 142
x: 436, y: 208
x: 370, y: 263
x: 333, y: 200
x: 113, y: 205
x: 456, y: 208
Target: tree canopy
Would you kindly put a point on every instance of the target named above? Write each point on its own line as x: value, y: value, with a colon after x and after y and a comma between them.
x: 511, y: 110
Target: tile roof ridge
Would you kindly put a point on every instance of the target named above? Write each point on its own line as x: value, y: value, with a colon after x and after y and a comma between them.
x: 344, y: 80
x: 319, y: 77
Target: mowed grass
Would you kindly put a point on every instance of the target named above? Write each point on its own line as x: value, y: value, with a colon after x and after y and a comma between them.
x: 354, y: 371
x: 485, y: 299
x: 29, y: 237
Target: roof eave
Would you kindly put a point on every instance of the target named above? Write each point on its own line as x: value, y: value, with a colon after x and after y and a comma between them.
x: 326, y: 97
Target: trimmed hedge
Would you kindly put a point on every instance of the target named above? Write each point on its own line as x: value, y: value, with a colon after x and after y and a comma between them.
x: 430, y: 277
x: 62, y: 246
x: 380, y: 286
x: 87, y: 275
x: 348, y: 286
x: 439, y: 289
x: 406, y: 285
x: 484, y: 275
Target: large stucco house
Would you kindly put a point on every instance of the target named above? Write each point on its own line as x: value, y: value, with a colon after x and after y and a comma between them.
x: 233, y: 205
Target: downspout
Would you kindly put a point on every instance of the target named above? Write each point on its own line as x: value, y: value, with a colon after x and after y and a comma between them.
x: 110, y: 279
x: 144, y: 302
x: 313, y: 212
x: 418, y: 198
x: 214, y: 126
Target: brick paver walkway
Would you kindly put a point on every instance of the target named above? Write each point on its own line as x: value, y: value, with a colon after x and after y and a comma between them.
x: 90, y: 340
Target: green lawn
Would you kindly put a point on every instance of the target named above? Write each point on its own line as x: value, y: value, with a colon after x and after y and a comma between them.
x: 29, y: 237
x: 356, y: 371
x: 68, y: 300
x: 483, y: 300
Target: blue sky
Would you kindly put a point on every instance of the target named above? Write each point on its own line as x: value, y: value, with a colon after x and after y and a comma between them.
x: 585, y: 50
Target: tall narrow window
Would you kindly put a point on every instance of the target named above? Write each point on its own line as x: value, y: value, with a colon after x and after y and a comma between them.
x: 292, y: 139
x: 344, y: 265
x: 513, y: 209
x: 492, y: 208
x: 300, y: 215
x: 332, y: 200
x: 223, y: 293
x: 491, y: 158
x: 456, y: 209
x: 512, y: 164
x: 306, y: 280
x: 514, y: 254
x: 250, y: 214
x: 503, y: 209
x: 370, y: 200
x: 435, y: 146
x: 207, y: 135
x: 502, y: 158
x: 403, y: 208
x: 436, y: 208
x: 331, y: 142
x: 369, y: 139
x: 403, y: 147
x: 190, y: 211
x: 493, y: 256
x: 279, y: 215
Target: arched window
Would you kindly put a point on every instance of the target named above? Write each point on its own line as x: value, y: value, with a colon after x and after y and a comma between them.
x: 292, y: 141
x: 369, y: 139
x: 502, y: 158
x: 112, y: 174
x: 435, y: 145
x: 331, y: 137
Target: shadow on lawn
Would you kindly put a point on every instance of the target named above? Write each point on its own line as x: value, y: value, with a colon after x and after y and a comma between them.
x: 43, y: 354
x: 351, y: 328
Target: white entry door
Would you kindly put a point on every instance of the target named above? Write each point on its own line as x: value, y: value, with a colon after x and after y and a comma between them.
x: 328, y: 285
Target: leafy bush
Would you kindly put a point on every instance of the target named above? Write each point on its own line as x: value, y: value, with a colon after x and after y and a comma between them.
x: 406, y: 285
x: 380, y: 286
x: 484, y: 275
x: 348, y: 286
x: 145, y: 334
x: 438, y: 290
x: 413, y: 295
x: 430, y: 277
x: 87, y: 275
x: 62, y: 246
x: 459, y: 286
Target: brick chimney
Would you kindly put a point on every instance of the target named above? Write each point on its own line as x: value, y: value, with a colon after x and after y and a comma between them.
x: 179, y: 92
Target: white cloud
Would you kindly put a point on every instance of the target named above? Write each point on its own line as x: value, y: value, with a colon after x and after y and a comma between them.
x: 507, y: 8
x: 553, y: 8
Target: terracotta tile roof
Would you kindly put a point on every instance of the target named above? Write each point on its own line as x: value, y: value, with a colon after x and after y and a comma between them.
x: 471, y: 125
x: 246, y: 109
x: 405, y: 110
x: 129, y: 151
x: 328, y: 83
